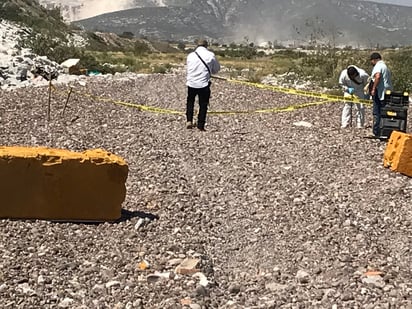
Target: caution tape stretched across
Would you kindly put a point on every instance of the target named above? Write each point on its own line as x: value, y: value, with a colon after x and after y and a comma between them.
x: 325, y: 98
x: 289, y: 108
x: 128, y: 104
x: 330, y: 98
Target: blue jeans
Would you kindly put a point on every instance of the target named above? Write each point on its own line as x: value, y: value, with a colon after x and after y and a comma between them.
x: 377, y: 106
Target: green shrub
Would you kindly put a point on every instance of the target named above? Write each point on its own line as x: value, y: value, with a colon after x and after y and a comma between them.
x: 248, y: 51
x: 162, y: 69
x: 181, y: 46
x: 400, y: 64
x: 140, y: 66
x: 140, y: 48
x: 254, y: 76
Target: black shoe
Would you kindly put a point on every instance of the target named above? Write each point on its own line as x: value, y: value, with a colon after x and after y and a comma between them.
x: 201, y: 129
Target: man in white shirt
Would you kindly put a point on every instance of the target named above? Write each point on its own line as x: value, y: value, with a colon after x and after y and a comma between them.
x: 201, y: 64
x: 381, y: 77
x: 353, y: 80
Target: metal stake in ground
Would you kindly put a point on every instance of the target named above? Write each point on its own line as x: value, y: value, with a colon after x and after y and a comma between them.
x: 49, y: 103
x: 67, y: 101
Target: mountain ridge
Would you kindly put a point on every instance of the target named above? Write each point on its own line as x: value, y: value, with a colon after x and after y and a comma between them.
x: 297, y: 22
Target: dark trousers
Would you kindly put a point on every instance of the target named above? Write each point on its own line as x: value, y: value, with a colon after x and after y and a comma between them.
x: 204, y: 96
x: 377, y: 106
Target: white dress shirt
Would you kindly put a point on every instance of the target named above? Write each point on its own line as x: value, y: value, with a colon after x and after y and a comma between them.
x: 197, y: 74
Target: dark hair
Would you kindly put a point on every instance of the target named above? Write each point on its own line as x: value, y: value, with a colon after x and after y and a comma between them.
x: 352, y: 71
x: 202, y: 42
x: 376, y: 56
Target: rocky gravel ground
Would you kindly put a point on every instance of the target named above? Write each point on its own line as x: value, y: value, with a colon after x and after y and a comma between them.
x: 263, y: 210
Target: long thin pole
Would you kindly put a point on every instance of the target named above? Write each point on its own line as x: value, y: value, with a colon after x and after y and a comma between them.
x: 49, y: 104
x: 67, y: 101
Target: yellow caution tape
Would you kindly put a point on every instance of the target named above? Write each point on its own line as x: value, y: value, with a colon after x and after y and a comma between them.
x: 325, y: 99
x: 289, y: 108
x: 330, y: 98
x: 128, y: 104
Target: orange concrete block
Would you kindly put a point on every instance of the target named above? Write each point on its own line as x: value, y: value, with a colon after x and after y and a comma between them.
x: 56, y: 184
x: 398, y: 153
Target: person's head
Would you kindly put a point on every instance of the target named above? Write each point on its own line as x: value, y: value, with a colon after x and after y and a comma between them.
x: 375, y: 57
x: 202, y: 42
x: 352, y: 72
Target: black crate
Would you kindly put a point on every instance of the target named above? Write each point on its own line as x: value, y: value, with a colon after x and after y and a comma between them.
x: 387, y: 125
x: 396, y: 98
x: 395, y: 112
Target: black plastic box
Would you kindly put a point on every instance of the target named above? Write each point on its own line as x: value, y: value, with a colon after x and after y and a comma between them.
x: 396, y: 98
x: 387, y: 125
x: 394, y: 113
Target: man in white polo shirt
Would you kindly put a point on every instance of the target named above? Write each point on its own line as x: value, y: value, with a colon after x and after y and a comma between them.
x: 201, y: 64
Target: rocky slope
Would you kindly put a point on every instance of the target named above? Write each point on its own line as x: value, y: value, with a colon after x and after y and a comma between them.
x: 283, y: 210
x: 354, y: 23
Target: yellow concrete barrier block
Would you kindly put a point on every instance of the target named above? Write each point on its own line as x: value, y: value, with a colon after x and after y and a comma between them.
x: 398, y: 153
x: 57, y: 184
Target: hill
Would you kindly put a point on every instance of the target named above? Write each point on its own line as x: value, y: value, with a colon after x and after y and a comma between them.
x: 46, y: 31
x: 354, y: 23
x: 29, y: 13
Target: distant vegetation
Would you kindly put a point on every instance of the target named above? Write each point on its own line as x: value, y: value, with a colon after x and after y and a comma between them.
x: 400, y: 63
x: 29, y: 13
x: 320, y: 64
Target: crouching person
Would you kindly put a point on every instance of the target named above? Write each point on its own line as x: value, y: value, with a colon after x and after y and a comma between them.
x: 353, y: 81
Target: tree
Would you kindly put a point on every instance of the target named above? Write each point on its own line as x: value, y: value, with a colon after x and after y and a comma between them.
x: 127, y: 35
x: 181, y: 46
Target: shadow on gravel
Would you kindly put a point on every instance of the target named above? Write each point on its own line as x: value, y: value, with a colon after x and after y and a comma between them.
x: 128, y: 215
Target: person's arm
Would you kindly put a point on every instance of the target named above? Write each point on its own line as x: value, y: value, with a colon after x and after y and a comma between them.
x: 342, y: 81
x: 377, y: 78
x: 365, y: 78
x: 215, y: 67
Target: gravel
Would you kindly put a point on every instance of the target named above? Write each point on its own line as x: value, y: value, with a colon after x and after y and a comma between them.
x: 280, y: 215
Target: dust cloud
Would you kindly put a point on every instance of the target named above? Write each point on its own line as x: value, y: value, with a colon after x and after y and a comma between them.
x: 92, y: 8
